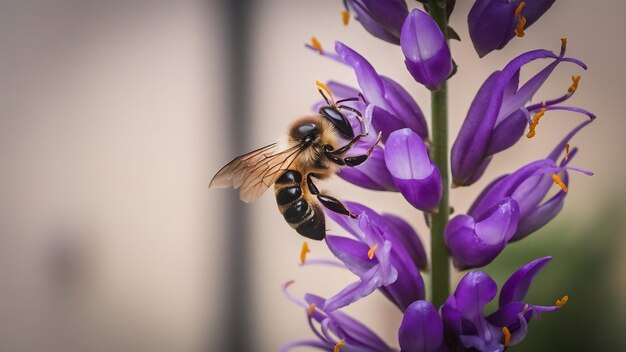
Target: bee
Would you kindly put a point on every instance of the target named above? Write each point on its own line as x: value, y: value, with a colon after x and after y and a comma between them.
x: 312, y: 151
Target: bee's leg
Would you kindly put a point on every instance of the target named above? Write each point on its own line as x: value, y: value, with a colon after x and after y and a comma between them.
x: 358, y: 115
x: 351, y: 160
x: 328, y: 202
x: 333, y: 204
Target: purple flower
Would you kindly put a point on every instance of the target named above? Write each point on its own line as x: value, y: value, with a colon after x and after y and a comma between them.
x: 421, y: 329
x: 381, y: 18
x: 466, y: 326
x: 393, y: 107
x: 413, y: 173
x: 498, y: 115
x: 426, y: 52
x: 384, y: 255
x: 475, y: 242
x: 493, y: 23
x: 529, y: 186
x: 334, y: 330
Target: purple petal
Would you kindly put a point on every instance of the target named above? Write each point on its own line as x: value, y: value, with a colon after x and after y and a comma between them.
x: 490, y: 24
x: 421, y: 328
x: 372, y: 174
x: 473, y: 292
x: 516, y: 287
x: 508, y: 132
x: 369, y: 81
x: 407, y: 238
x: 353, y: 254
x: 369, y: 282
x: 385, y: 122
x: 427, y: 56
x: 413, y: 173
x: 405, y: 107
x: 381, y: 18
x: 476, y: 243
x: 470, y: 148
x: 540, y: 216
x: 507, y: 185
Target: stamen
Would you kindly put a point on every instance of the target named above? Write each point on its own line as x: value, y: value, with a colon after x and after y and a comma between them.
x: 574, y: 86
x: 533, y: 125
x: 519, y: 8
x: 507, y: 336
x: 345, y: 17
x: 370, y: 253
x: 311, y: 308
x: 561, y: 302
x: 323, y: 87
x: 566, y: 151
x: 316, y: 44
x: 519, y: 29
x: 305, y: 249
x: 558, y: 181
x: 563, y: 43
x: 339, y: 345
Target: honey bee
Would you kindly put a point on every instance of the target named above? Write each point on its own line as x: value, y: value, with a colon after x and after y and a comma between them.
x: 312, y: 152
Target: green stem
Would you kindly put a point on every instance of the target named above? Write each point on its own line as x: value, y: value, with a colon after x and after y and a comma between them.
x: 440, y: 261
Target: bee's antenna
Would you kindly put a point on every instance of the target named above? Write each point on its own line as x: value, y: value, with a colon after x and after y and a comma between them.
x: 321, y: 87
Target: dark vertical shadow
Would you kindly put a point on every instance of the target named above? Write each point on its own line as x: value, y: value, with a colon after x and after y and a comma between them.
x: 237, y: 321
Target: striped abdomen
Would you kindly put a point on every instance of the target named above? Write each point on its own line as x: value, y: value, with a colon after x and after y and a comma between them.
x: 293, y: 199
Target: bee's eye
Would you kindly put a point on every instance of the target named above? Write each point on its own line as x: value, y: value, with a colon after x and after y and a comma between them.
x: 301, y: 131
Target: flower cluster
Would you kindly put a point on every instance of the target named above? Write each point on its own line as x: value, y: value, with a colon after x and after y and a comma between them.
x: 383, y: 251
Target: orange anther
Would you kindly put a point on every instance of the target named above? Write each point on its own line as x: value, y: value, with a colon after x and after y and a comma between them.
x: 519, y: 30
x: 339, y: 345
x: 563, y: 43
x: 521, y: 22
x: 345, y: 17
x: 370, y: 253
x: 561, y: 302
x: 558, y: 181
x: 519, y: 8
x: 305, y: 249
x: 574, y: 86
x: 507, y: 336
x: 316, y: 44
x: 311, y: 308
x: 533, y: 125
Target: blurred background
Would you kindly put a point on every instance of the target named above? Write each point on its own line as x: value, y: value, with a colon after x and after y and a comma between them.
x: 116, y: 114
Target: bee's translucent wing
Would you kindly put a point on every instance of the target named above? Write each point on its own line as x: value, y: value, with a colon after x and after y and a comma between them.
x: 256, y: 171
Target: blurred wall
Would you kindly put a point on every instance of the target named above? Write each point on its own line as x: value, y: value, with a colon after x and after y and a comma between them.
x: 109, y: 122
